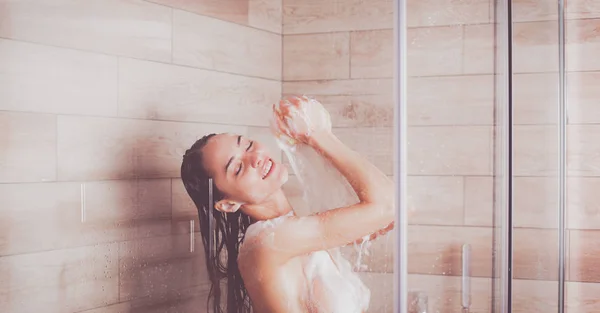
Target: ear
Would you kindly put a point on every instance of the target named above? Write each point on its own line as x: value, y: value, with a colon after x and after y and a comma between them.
x: 228, y: 206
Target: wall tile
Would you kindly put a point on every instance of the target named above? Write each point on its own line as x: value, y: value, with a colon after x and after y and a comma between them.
x: 375, y: 144
x: 535, y: 10
x: 60, y: 281
x: 535, y: 253
x: 535, y: 47
x: 535, y: 202
x: 584, y: 255
x: 583, y: 45
x: 350, y: 103
x: 450, y: 150
x: 22, y: 132
x: 444, y: 294
x: 372, y: 54
x: 132, y: 28
x: 583, y: 150
x: 157, y: 267
x: 582, y: 298
x: 479, y: 49
x: 315, y: 16
x: 108, y: 148
x: 212, y: 44
x: 535, y: 98
x: 479, y: 201
x: 158, y: 91
x: 67, y: 215
x: 436, y: 200
x: 183, y: 300
x: 184, y: 209
x: 535, y: 150
x: 316, y: 56
x: 447, y: 12
x: 583, y: 9
x: 583, y: 211
x: 438, y: 250
x: 534, y: 296
x: 583, y: 94
x: 263, y: 14
x: 435, y: 51
x: 235, y: 11
x: 442, y: 100
x: 266, y: 14
x: 37, y: 78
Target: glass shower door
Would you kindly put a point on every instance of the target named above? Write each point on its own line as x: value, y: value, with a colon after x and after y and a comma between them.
x: 452, y: 105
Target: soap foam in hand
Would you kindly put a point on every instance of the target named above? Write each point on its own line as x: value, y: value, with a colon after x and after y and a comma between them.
x: 295, y: 118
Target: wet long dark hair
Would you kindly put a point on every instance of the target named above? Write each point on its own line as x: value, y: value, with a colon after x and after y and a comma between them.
x: 227, y: 234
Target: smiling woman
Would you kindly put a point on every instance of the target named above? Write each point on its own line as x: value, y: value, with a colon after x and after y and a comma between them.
x: 273, y: 257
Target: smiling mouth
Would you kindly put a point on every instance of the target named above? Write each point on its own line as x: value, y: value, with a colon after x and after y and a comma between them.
x: 267, y: 169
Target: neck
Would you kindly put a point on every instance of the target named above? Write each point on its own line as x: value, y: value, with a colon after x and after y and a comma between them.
x: 276, y: 205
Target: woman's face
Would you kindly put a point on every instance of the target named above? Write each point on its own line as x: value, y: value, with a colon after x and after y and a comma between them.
x: 242, y: 169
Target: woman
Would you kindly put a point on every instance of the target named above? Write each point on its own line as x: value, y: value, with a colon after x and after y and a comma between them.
x: 267, y: 253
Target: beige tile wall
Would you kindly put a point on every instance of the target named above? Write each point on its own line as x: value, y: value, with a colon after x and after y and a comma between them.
x: 98, y: 101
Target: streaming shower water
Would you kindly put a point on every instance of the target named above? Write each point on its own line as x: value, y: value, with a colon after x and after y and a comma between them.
x: 323, y: 187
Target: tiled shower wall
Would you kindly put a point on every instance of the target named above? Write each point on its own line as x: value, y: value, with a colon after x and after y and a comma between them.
x: 98, y: 101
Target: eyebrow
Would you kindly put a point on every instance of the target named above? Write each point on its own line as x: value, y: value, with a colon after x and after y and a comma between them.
x: 239, y: 140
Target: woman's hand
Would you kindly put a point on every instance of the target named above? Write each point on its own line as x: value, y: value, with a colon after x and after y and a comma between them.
x: 376, y: 234
x: 297, y: 119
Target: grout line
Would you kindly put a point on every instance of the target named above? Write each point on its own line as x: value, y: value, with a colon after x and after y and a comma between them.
x: 431, y: 76
x: 213, y: 17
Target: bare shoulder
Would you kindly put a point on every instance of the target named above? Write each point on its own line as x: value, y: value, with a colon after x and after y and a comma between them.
x: 267, y: 241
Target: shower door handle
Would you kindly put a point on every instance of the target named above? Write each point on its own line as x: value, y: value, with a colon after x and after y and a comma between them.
x: 466, y: 274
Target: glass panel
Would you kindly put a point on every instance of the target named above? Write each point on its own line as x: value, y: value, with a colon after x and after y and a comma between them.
x: 583, y: 208
x: 452, y: 133
x: 536, y: 175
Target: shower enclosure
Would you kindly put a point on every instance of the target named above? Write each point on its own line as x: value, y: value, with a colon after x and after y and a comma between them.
x: 485, y: 112
x: 499, y: 105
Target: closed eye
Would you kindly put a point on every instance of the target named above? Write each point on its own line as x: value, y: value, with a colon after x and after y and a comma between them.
x: 239, y: 168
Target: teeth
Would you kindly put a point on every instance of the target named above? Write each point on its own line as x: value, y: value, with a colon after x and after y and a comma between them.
x: 267, y: 169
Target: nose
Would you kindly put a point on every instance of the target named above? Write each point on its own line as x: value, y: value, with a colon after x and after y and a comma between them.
x: 256, y: 158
